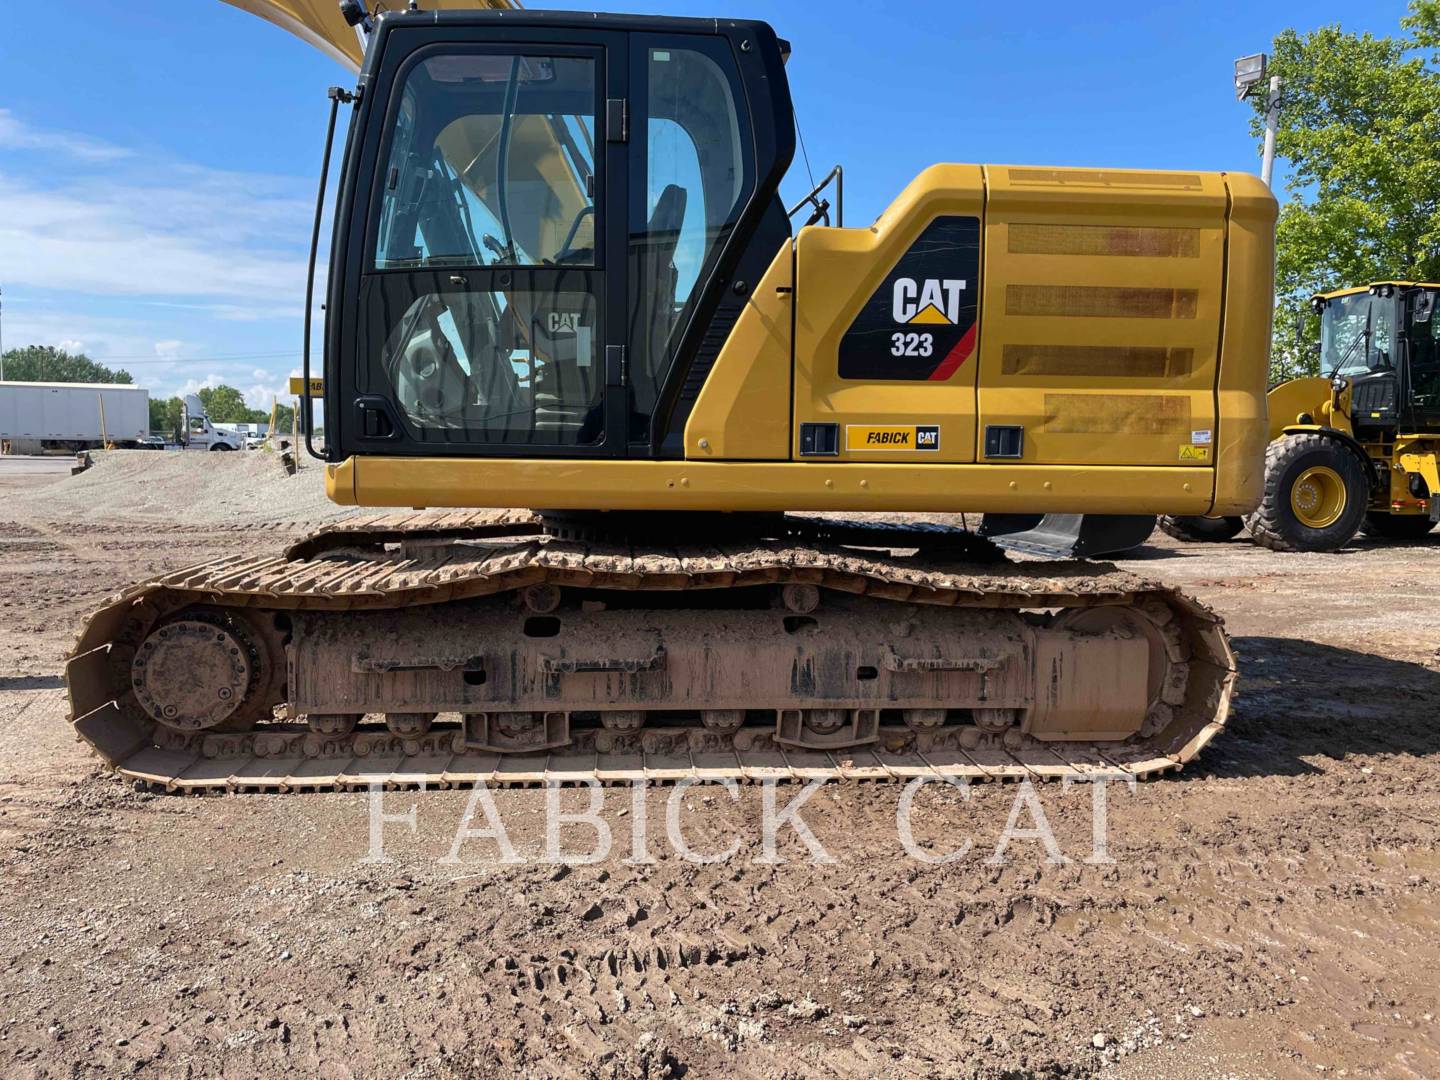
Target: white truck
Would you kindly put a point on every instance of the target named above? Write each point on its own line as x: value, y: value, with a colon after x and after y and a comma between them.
x: 37, y: 416
x: 201, y: 434
x: 251, y: 434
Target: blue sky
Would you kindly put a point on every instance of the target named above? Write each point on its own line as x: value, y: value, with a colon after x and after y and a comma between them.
x: 158, y: 157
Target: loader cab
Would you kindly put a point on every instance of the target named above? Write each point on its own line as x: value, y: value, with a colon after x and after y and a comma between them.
x: 546, y: 225
x: 1382, y: 340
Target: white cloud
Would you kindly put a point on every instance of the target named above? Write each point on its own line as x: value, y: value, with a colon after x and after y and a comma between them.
x: 16, y: 135
x: 257, y: 395
x: 116, y: 223
x: 157, y: 265
x: 113, y: 243
x: 164, y: 366
x: 194, y: 386
x: 98, y: 337
x: 260, y: 395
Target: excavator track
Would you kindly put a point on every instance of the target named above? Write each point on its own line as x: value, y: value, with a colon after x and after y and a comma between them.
x: 448, y: 650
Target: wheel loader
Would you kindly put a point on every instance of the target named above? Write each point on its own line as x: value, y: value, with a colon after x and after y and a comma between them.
x: 1358, y: 449
x: 563, y: 287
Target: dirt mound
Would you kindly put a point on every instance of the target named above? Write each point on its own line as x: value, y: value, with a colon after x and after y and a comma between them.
x: 182, y: 488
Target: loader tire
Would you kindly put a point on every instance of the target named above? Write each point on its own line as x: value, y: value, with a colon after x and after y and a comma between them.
x: 1202, y: 530
x: 1316, y: 492
x: 1396, y: 526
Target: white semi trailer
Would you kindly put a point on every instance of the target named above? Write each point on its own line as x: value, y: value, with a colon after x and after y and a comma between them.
x: 38, y: 416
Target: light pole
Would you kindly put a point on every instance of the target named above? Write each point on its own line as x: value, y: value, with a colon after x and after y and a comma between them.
x: 1250, y: 72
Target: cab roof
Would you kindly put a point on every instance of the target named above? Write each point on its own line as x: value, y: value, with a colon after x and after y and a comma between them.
x: 1352, y: 291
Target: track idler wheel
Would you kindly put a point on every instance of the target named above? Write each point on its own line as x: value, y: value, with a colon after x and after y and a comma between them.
x: 995, y: 721
x: 1154, y: 622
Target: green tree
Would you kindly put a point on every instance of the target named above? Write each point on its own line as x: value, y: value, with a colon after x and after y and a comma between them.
x: 1360, y: 129
x: 224, y: 405
x: 157, y: 416
x: 166, y: 416
x: 45, y: 363
x: 284, y: 418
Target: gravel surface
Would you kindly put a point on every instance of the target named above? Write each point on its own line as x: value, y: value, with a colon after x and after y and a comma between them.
x: 181, y: 487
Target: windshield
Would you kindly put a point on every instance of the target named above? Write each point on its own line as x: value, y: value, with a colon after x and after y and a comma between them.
x: 1357, y: 334
x: 491, y: 163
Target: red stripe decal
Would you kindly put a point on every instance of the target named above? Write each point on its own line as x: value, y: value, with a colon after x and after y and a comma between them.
x: 958, y: 355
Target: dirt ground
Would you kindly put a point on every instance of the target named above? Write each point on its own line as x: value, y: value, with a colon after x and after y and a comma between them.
x: 1272, y: 911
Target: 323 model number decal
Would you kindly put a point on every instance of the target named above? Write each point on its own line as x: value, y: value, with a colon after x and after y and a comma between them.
x: 912, y: 345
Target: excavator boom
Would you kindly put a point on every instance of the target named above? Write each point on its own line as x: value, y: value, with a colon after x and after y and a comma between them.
x: 321, y: 24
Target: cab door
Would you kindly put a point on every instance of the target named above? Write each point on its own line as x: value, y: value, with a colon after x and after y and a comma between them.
x: 481, y: 304
x: 1424, y: 358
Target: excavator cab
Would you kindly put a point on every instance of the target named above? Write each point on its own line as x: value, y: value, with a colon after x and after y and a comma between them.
x: 542, y: 231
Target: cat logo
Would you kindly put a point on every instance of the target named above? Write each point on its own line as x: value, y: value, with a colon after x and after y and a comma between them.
x: 564, y: 322
x: 932, y: 302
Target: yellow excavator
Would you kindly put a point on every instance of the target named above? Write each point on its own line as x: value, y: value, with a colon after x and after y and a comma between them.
x: 562, y: 283
x: 1356, y: 449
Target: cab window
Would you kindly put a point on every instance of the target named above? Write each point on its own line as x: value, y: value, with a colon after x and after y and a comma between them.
x: 483, y: 317
x: 491, y: 162
x: 1357, y: 334
x: 699, y: 173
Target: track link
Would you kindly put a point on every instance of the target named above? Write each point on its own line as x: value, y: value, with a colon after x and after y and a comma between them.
x: 401, y: 563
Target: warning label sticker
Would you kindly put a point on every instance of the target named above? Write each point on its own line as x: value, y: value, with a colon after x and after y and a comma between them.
x: 862, y: 437
x: 1194, y: 453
